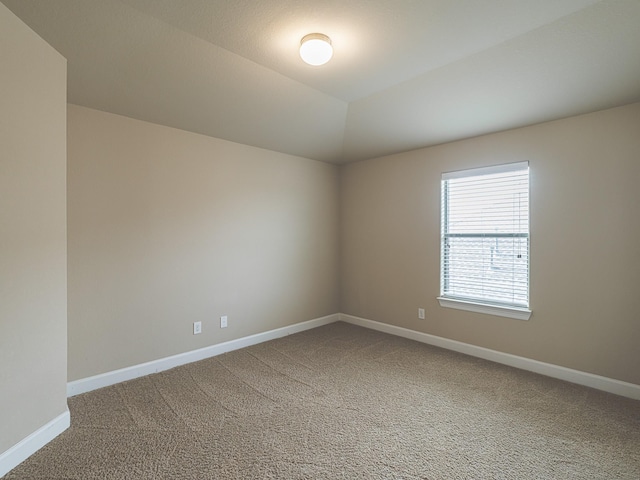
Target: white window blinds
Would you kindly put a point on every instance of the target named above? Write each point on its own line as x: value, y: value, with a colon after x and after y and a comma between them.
x: 485, y: 235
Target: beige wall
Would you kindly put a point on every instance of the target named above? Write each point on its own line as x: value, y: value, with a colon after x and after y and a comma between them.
x: 168, y: 227
x: 33, y: 295
x: 585, y: 242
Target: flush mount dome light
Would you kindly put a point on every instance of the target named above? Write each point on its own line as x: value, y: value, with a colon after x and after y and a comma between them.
x: 316, y: 49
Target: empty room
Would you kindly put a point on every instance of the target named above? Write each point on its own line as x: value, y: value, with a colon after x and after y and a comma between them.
x: 296, y: 239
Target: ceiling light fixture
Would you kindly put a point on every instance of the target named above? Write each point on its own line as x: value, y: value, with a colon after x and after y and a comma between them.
x: 316, y: 49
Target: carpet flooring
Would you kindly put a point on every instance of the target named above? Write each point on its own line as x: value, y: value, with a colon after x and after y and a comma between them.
x: 342, y: 401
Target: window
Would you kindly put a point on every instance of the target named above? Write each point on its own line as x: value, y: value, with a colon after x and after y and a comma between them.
x: 485, y: 240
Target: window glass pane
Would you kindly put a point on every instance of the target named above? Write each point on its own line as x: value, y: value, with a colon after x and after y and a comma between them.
x: 488, y: 268
x: 491, y: 203
x: 485, y: 237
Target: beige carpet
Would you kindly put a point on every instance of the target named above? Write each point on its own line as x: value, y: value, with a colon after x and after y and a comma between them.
x: 344, y: 402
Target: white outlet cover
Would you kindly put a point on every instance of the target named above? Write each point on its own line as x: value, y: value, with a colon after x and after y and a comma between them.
x: 223, y: 321
x: 197, y: 328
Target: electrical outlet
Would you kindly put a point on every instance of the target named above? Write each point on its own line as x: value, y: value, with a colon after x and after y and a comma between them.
x: 421, y: 313
x: 223, y: 321
x: 197, y: 328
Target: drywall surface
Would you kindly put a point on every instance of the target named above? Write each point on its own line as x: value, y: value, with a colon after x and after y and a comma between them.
x: 33, y: 258
x: 168, y: 227
x: 585, y: 254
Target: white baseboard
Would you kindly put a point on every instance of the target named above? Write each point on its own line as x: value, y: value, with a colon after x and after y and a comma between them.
x: 34, y: 442
x: 574, y: 376
x: 610, y: 385
x: 22, y: 450
x: 129, y: 373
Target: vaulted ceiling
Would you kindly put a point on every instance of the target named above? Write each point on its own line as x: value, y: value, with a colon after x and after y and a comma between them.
x: 405, y: 73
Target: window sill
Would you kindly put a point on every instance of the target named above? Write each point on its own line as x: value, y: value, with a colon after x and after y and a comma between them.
x: 510, y: 312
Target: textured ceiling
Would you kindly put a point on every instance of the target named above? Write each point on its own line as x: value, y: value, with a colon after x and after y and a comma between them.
x: 405, y: 73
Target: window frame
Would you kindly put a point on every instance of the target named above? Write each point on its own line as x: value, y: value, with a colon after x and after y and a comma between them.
x: 477, y: 305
